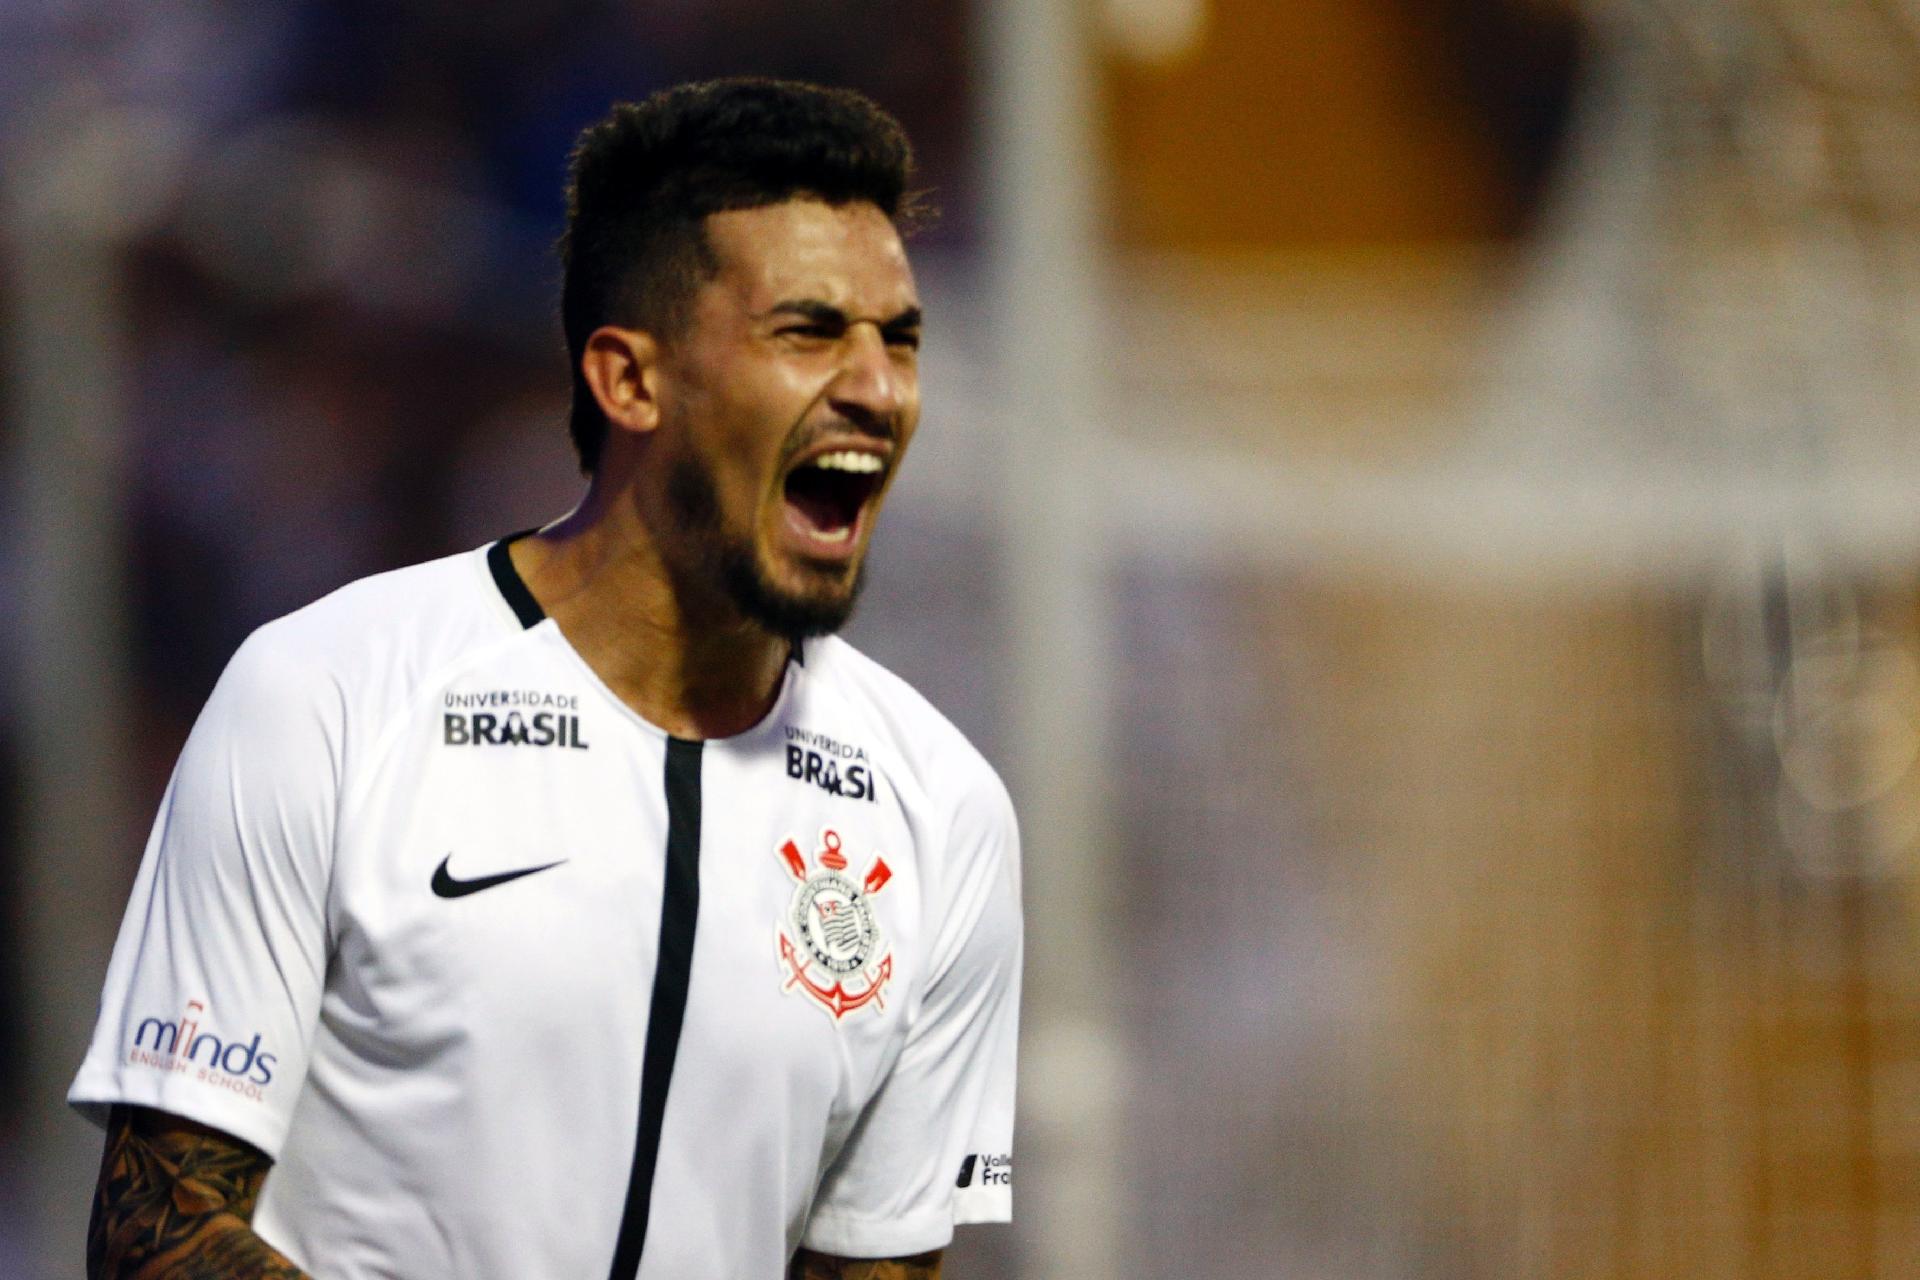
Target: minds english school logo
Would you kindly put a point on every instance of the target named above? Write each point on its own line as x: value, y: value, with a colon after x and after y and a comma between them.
x: 183, y: 1046
x: 829, y: 943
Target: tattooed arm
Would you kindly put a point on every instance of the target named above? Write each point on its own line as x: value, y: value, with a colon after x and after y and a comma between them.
x: 175, y: 1202
x: 808, y: 1265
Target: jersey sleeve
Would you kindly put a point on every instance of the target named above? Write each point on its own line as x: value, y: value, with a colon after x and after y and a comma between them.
x: 934, y: 1147
x: 213, y: 990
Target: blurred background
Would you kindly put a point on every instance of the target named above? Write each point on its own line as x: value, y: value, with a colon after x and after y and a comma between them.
x: 1418, y: 497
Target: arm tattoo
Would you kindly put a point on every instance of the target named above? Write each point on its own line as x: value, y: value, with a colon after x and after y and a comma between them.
x: 175, y: 1201
x: 808, y: 1265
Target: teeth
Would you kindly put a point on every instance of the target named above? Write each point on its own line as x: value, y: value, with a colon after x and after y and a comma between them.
x: 849, y: 460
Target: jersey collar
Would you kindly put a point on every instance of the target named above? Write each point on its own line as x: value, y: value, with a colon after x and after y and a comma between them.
x: 508, y: 580
x: 528, y: 610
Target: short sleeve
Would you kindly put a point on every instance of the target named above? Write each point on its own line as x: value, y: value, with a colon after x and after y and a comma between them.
x: 934, y: 1147
x: 214, y: 987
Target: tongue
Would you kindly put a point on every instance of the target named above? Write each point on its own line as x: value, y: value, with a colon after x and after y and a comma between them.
x: 820, y: 512
x: 821, y: 501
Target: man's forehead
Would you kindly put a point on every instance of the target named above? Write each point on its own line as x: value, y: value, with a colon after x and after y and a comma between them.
x: 849, y: 255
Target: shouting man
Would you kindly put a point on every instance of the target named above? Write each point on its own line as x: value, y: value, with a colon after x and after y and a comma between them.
x: 576, y: 906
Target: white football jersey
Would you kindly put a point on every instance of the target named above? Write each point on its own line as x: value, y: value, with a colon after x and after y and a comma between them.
x: 511, y: 983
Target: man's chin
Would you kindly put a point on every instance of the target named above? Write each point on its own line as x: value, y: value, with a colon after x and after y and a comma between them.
x: 795, y: 614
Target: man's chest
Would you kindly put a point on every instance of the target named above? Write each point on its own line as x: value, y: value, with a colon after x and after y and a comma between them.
x: 530, y: 887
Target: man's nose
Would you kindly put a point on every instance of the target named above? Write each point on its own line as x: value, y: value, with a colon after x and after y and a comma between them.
x: 874, y: 385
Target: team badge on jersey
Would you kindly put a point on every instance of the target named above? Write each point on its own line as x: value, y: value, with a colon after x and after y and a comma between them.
x: 830, y: 945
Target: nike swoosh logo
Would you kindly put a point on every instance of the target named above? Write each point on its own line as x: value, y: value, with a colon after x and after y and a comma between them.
x: 445, y: 886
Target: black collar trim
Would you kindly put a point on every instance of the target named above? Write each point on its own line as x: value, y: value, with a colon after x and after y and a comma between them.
x: 507, y: 578
x: 527, y: 609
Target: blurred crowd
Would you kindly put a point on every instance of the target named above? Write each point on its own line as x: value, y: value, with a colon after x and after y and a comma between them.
x: 346, y: 267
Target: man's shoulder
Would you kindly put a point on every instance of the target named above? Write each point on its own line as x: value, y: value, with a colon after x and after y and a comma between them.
x: 373, y: 639
x: 945, y: 763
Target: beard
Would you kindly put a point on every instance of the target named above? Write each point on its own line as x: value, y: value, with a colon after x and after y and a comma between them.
x: 731, y: 564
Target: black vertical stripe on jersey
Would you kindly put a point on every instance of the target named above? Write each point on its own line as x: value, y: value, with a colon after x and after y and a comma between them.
x: 507, y: 578
x: 679, y: 911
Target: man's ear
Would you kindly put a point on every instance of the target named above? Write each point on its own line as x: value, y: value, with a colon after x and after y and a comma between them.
x: 622, y: 367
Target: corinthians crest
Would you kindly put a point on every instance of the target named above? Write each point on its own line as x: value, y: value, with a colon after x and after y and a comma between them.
x: 830, y: 945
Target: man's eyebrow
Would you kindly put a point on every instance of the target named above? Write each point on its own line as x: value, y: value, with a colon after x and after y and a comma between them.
x: 809, y: 309
x: 828, y: 314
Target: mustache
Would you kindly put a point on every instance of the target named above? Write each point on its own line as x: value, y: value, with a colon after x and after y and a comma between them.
x: 805, y: 435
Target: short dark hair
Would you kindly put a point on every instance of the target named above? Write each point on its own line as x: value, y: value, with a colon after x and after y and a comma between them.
x: 644, y: 179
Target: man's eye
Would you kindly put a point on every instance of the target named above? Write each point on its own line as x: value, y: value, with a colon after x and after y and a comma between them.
x: 821, y: 331
x: 904, y: 338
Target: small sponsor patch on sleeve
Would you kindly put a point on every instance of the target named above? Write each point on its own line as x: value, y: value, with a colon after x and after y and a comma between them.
x: 985, y: 1171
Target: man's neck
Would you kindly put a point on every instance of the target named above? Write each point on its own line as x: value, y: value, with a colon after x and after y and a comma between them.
x: 694, y: 668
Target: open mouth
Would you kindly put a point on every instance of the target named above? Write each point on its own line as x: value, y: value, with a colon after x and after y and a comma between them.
x: 825, y: 495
